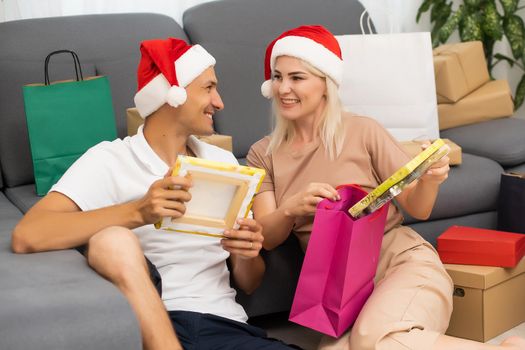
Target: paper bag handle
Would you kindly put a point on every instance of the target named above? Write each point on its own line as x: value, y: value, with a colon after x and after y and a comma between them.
x: 368, y: 22
x: 78, y: 68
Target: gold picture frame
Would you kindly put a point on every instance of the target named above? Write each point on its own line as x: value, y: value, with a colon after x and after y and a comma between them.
x: 221, y: 193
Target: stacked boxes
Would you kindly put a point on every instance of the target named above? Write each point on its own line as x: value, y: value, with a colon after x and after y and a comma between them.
x: 465, y: 93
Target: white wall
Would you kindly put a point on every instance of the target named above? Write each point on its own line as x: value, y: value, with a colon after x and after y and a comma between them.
x: 22, y: 9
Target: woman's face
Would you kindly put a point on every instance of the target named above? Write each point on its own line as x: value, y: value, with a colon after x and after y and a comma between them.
x: 299, y: 94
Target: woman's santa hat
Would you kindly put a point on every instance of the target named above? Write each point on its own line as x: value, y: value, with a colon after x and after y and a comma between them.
x: 313, y: 44
x: 165, y: 69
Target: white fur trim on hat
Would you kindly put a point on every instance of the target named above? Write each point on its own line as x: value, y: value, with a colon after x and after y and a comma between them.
x: 152, y: 96
x: 192, y: 63
x: 310, y: 51
x: 266, y: 89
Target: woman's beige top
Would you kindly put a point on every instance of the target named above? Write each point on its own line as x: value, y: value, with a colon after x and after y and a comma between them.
x: 369, y: 156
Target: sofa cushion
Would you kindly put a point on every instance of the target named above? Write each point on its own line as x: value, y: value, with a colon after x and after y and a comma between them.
x: 245, y: 27
x: 471, y: 187
x: 23, y: 197
x: 53, y: 300
x: 430, y: 230
x: 15, y: 151
x: 26, y: 43
x: 501, y: 140
x: 9, y: 216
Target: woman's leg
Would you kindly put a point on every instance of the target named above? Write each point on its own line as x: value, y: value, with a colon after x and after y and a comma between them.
x: 411, y: 305
x: 115, y: 253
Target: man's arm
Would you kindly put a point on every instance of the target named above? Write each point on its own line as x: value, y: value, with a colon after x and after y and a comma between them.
x: 56, y: 222
x: 244, y: 246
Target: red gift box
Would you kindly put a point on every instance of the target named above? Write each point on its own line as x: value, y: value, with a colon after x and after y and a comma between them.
x: 476, y: 246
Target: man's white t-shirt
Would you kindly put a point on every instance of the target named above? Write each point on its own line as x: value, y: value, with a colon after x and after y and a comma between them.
x: 193, y: 268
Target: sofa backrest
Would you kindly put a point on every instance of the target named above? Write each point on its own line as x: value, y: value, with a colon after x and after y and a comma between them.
x: 106, y: 44
x: 237, y: 32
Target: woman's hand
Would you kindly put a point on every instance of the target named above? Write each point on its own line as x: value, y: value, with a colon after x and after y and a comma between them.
x: 305, y: 202
x: 438, y: 172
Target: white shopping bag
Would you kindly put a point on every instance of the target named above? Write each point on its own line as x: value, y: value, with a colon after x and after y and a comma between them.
x: 390, y: 77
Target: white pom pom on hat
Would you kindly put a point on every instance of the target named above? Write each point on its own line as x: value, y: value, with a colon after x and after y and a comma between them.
x: 266, y: 89
x: 166, y: 67
x: 313, y: 44
x: 176, y: 96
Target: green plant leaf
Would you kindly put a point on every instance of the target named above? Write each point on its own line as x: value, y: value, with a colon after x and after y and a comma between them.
x: 515, y: 32
x: 450, y: 25
x: 470, y: 27
x: 440, y: 11
x: 491, y: 22
x: 509, y: 6
x: 472, y: 4
x: 439, y: 16
x: 425, y: 6
x: 502, y: 57
x: 520, y: 93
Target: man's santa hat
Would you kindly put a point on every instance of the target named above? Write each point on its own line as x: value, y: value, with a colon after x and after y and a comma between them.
x: 165, y: 69
x: 313, y: 44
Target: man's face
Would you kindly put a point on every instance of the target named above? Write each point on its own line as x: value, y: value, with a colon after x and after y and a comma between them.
x: 201, y: 104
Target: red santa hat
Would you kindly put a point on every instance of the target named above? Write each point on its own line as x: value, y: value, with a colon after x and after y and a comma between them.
x: 313, y: 44
x: 165, y: 69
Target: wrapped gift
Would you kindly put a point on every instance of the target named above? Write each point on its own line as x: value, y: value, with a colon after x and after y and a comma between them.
x: 413, y: 148
x: 476, y: 246
x: 134, y: 120
x: 487, y: 300
x: 491, y: 101
x: 459, y: 69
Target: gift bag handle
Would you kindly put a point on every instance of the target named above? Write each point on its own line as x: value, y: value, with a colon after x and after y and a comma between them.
x: 368, y: 22
x: 78, y: 68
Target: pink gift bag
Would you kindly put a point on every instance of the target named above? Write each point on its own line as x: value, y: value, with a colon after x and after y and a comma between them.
x: 339, y: 266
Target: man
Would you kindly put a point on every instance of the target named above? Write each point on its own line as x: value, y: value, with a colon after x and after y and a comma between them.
x: 124, y: 185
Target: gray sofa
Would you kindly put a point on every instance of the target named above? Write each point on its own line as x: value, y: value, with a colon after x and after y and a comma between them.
x: 53, y: 300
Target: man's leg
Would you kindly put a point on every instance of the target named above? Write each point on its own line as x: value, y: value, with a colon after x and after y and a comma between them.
x: 115, y: 253
x: 205, y: 331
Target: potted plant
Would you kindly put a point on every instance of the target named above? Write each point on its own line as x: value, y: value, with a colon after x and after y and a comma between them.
x: 482, y: 20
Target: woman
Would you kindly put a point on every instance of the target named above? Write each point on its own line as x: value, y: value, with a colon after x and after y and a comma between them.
x: 314, y: 147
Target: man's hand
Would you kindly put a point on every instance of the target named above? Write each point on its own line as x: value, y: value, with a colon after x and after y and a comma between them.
x: 305, y: 202
x: 165, y: 198
x: 246, y: 242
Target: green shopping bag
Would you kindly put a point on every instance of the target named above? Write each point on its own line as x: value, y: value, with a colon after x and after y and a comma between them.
x: 64, y: 119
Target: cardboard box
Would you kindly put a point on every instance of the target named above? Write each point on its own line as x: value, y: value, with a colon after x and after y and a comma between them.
x: 477, y: 246
x: 134, y: 120
x: 413, y: 148
x: 487, y: 300
x: 491, y: 101
x: 459, y: 69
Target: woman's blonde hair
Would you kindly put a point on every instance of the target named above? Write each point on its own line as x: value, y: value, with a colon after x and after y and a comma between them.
x: 331, y: 132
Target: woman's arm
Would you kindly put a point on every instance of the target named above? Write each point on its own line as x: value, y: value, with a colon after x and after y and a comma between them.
x: 278, y: 222
x: 418, y: 198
